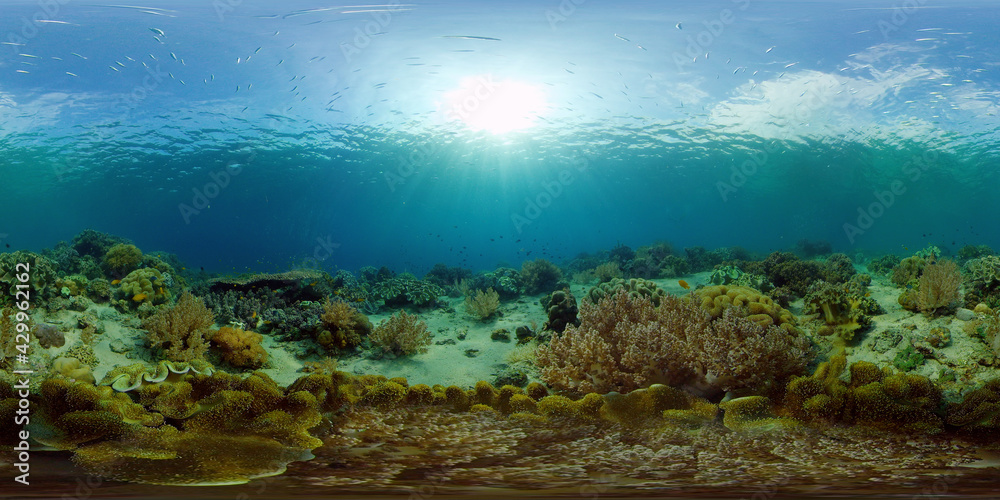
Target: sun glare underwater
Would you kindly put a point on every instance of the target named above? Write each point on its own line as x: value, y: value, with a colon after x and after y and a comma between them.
x: 736, y: 248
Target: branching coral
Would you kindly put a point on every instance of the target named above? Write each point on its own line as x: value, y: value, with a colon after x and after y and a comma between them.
x: 402, y: 334
x: 625, y: 343
x: 240, y: 348
x: 179, y: 332
x: 482, y: 305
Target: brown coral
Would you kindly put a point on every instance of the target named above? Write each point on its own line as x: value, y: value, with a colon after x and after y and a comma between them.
x: 624, y: 343
x: 179, y: 332
x: 939, y: 284
x: 240, y: 348
x: 344, y: 327
x: 402, y: 335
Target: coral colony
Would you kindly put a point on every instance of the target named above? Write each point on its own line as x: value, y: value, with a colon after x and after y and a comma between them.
x: 799, y: 368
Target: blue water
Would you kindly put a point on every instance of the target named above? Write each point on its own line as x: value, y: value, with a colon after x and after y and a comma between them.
x: 344, y: 147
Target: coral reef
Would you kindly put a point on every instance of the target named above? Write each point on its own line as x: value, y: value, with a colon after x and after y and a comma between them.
x: 873, y: 397
x: 42, y: 277
x: 636, y: 287
x: 968, y: 252
x: 343, y: 327
x: 540, y: 276
x: 843, y: 313
x: 908, y: 270
x: 838, y: 268
x: 561, y: 310
x: 759, y: 307
x: 884, y: 264
x: 401, y: 335
x: 240, y: 348
x: 141, y: 286
x: 982, y: 281
x: 482, y: 305
x: 122, y: 259
x: 402, y: 290
x: 49, y: 335
x: 185, y: 431
x: 178, y: 333
x: 625, y: 343
x: 505, y: 280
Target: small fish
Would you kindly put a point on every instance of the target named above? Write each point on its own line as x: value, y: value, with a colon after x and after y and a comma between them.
x: 115, y: 282
x: 621, y: 37
x: 71, y: 74
x: 20, y: 71
x: 256, y: 51
x: 468, y: 37
x: 768, y: 51
x: 114, y: 68
x: 254, y: 315
x: 679, y: 26
x: 120, y: 64
x: 238, y: 60
x: 139, y: 297
x: 684, y: 284
x: 30, y: 55
x: 173, y: 56
x: 789, y: 65
x: 158, y: 31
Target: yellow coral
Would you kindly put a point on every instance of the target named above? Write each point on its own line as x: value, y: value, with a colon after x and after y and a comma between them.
x: 240, y: 348
x: 760, y: 308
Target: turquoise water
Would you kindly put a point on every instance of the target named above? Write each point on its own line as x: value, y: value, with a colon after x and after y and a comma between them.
x: 273, y: 136
x: 350, y: 138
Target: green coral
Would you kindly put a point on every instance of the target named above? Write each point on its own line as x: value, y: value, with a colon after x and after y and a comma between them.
x: 908, y: 359
x: 122, y: 259
x: 195, y: 429
x: 843, y: 313
x: 873, y: 397
x: 142, y: 286
x: 636, y: 287
x: 725, y: 275
x: 405, y: 289
x: 884, y: 264
x: 42, y: 277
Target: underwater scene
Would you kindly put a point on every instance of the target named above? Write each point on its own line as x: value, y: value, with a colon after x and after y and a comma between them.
x: 465, y: 249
